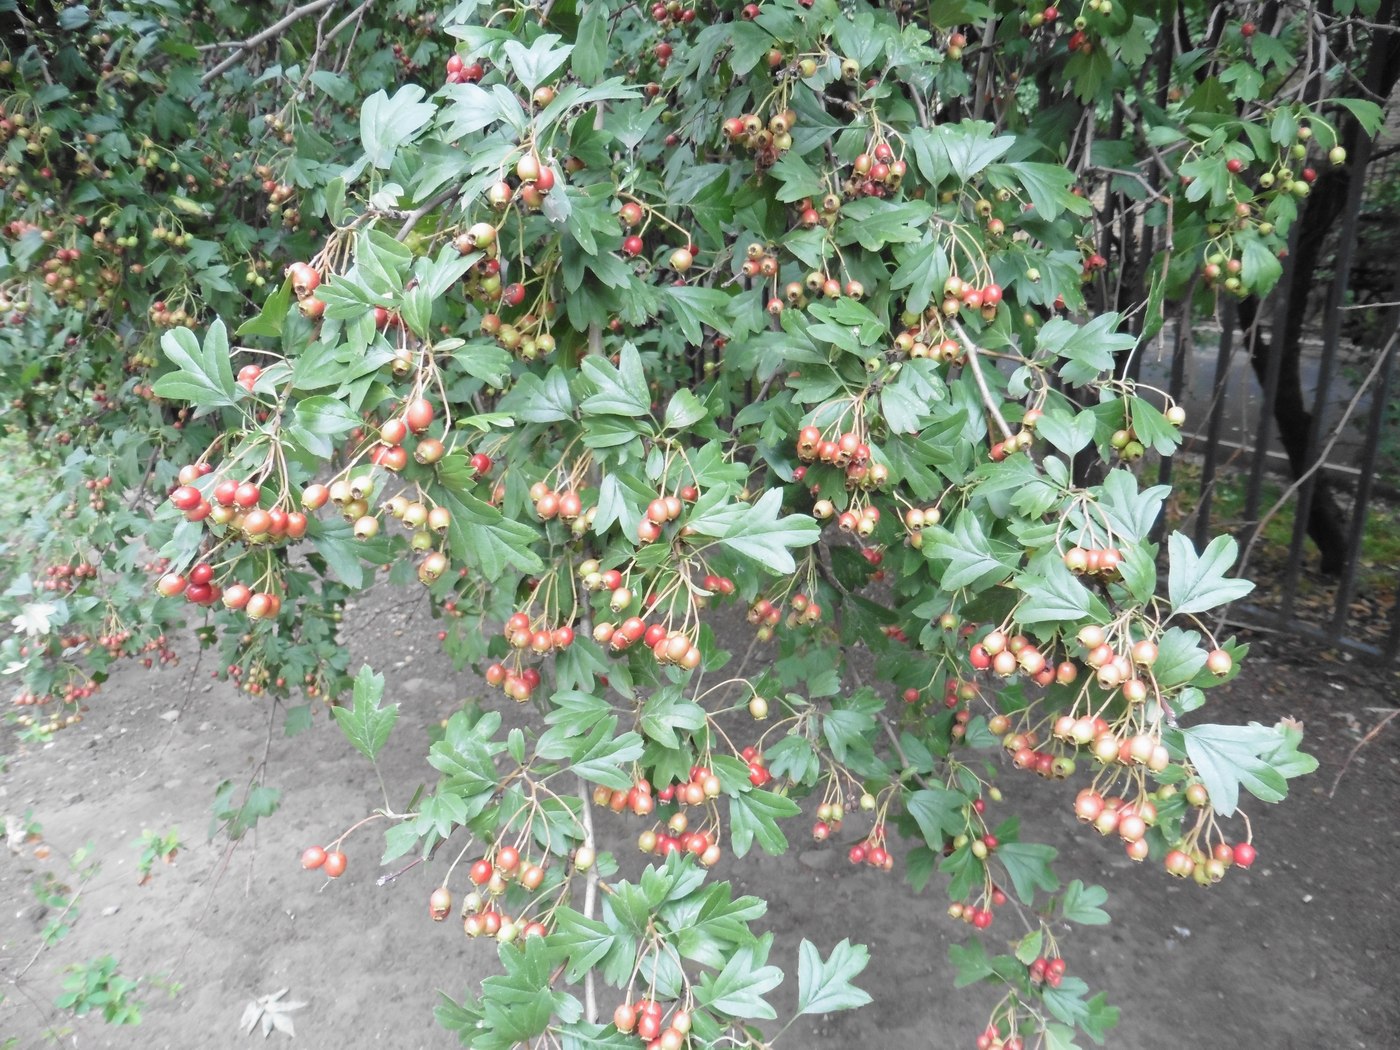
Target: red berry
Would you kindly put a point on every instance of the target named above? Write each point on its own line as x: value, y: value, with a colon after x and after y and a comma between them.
x: 625, y: 1018
x: 335, y: 864
x: 186, y: 497
x: 419, y: 415
x: 313, y: 857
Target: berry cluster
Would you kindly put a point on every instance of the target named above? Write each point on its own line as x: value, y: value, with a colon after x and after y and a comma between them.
x: 1130, y: 820
x: 677, y: 835
x: 829, y: 818
x: 481, y: 916
x: 766, y: 140
x: 849, y: 452
x: 460, y: 71
x: 520, y: 683
x: 67, y: 578
x: 766, y: 615
x: 873, y: 850
x: 669, y: 14
x: 669, y: 647
x: 332, y: 862
x: 876, y: 173
x: 646, y: 1018
x: 1046, y: 971
x: 567, y: 506
x: 1007, y: 655
x: 236, y: 505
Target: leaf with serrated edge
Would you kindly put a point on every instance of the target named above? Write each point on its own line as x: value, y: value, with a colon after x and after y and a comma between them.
x: 1197, y: 583
x: 367, y: 725
x: 824, y: 986
x: 1081, y: 904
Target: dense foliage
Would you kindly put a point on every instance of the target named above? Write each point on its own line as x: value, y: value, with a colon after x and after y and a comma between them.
x: 124, y: 213
x: 604, y: 324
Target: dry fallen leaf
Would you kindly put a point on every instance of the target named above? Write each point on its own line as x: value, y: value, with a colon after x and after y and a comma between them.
x: 271, y: 1013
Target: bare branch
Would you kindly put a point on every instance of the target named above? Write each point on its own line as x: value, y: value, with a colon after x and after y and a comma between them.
x: 441, y: 197
x: 974, y: 361
x: 1375, y: 732
x: 257, y: 39
x: 1322, y: 455
x: 590, y: 897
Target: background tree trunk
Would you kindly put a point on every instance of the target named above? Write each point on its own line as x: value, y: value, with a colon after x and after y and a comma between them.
x: 1326, y: 522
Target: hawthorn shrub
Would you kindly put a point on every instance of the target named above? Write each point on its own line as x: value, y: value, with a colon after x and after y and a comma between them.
x: 620, y: 321
x: 146, y: 183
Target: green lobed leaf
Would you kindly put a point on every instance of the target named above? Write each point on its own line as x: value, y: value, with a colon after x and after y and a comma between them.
x: 1080, y: 904
x: 1087, y: 350
x: 1196, y: 583
x: 269, y: 320
x: 1029, y: 865
x: 387, y: 123
x: 973, y: 561
x: 478, y: 534
x: 365, y: 724
x: 683, y: 410
x: 316, y: 420
x: 824, y: 986
x: 755, y: 815
x: 695, y: 309
x: 204, y: 377
x: 757, y: 532
x: 1047, y: 186
x: 620, y: 391
x: 666, y: 711
x: 1259, y: 758
x: 590, y: 48
x: 738, y: 989
x: 939, y: 812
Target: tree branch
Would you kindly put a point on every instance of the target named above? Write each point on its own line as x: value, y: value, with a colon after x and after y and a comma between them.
x: 1321, y: 460
x: 441, y: 197
x: 974, y: 361
x: 257, y: 39
x: 590, y: 897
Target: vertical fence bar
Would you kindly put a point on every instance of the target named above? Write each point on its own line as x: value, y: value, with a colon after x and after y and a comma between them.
x: 1380, y: 398
x: 1217, y: 419
x: 1146, y: 249
x: 1331, y: 340
x: 1391, y: 649
x: 1183, y: 345
x: 1278, y: 326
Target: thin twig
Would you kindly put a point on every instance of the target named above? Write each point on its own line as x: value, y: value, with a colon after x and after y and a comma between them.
x: 389, y: 877
x: 257, y: 39
x: 973, y: 360
x: 899, y: 751
x: 339, y: 26
x: 1322, y: 455
x: 139, y: 490
x: 590, y: 896
x: 1375, y: 732
x: 441, y: 197
x: 984, y: 67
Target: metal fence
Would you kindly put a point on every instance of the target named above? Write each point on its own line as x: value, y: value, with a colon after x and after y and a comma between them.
x: 1232, y: 472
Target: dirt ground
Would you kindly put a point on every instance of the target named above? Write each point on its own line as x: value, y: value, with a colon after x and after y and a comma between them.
x: 1299, y: 953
